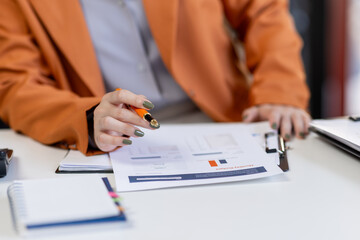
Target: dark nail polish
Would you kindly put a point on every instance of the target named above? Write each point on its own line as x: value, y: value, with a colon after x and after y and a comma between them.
x: 139, y: 133
x: 245, y: 117
x: 127, y: 141
x: 287, y: 136
x: 154, y: 124
x: 274, y: 126
x: 148, y: 105
x: 302, y: 134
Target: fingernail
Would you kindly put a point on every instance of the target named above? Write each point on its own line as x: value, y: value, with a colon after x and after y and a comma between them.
x: 302, y: 134
x: 245, y: 117
x: 287, y: 136
x: 139, y: 133
x: 127, y: 141
x: 274, y: 126
x: 154, y: 125
x: 148, y: 105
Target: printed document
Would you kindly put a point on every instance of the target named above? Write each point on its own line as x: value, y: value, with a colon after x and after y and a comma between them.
x: 191, y: 154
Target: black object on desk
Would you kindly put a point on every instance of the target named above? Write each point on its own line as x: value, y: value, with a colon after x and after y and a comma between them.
x: 83, y: 171
x: 354, y: 118
x: 5, y: 159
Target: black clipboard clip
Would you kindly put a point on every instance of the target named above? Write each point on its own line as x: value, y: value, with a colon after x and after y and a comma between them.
x: 280, y: 148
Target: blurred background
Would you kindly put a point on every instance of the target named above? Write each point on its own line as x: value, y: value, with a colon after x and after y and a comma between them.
x: 330, y: 30
x: 331, y: 33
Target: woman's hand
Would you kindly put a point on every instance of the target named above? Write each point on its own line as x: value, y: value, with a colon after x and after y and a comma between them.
x: 114, y: 123
x: 286, y: 118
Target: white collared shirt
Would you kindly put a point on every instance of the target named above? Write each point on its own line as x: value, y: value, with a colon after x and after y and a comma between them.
x: 127, y: 53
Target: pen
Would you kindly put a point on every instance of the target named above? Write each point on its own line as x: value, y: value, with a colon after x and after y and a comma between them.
x: 113, y: 195
x: 145, y: 115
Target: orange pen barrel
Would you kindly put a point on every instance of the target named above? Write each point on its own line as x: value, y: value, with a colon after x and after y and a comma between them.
x: 141, y: 112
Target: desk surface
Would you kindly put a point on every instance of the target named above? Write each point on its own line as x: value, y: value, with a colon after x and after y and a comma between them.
x: 319, y: 198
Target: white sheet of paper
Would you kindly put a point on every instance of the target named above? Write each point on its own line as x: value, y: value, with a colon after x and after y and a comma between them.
x: 191, y: 154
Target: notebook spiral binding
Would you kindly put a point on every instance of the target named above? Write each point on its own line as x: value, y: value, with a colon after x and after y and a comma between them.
x: 18, y: 210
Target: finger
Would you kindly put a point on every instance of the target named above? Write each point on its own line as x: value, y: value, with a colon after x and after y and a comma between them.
x: 285, y: 127
x: 106, y: 109
x: 250, y: 114
x: 306, y: 119
x: 113, y: 125
x: 128, y: 116
x: 106, y: 142
x: 274, y: 119
x: 298, y: 124
x: 127, y: 97
x: 265, y: 111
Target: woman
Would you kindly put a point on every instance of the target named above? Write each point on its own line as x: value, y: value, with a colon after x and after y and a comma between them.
x: 61, y: 60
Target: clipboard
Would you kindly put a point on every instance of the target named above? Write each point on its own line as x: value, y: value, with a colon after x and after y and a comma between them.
x: 274, y: 143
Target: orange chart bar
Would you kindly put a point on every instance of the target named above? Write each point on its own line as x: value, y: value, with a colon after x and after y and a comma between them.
x: 213, y: 163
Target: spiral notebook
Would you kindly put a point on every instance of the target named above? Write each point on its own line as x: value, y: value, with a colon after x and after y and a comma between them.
x: 64, y: 205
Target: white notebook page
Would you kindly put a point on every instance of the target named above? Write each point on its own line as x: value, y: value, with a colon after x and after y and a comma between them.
x: 65, y: 199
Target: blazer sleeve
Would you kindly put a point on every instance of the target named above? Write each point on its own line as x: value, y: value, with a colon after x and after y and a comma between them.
x: 272, y: 48
x: 31, y: 101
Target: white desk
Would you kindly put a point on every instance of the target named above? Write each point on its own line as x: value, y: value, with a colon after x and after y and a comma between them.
x: 319, y: 198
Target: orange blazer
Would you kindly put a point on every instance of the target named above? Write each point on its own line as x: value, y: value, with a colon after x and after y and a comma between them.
x: 49, y: 75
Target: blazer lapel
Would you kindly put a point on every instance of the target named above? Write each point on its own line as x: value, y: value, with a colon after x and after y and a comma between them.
x: 65, y: 22
x: 162, y: 17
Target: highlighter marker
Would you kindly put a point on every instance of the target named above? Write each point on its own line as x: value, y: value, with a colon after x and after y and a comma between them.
x: 145, y: 115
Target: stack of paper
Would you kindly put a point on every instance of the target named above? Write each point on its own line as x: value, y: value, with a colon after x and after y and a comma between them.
x: 75, y: 161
